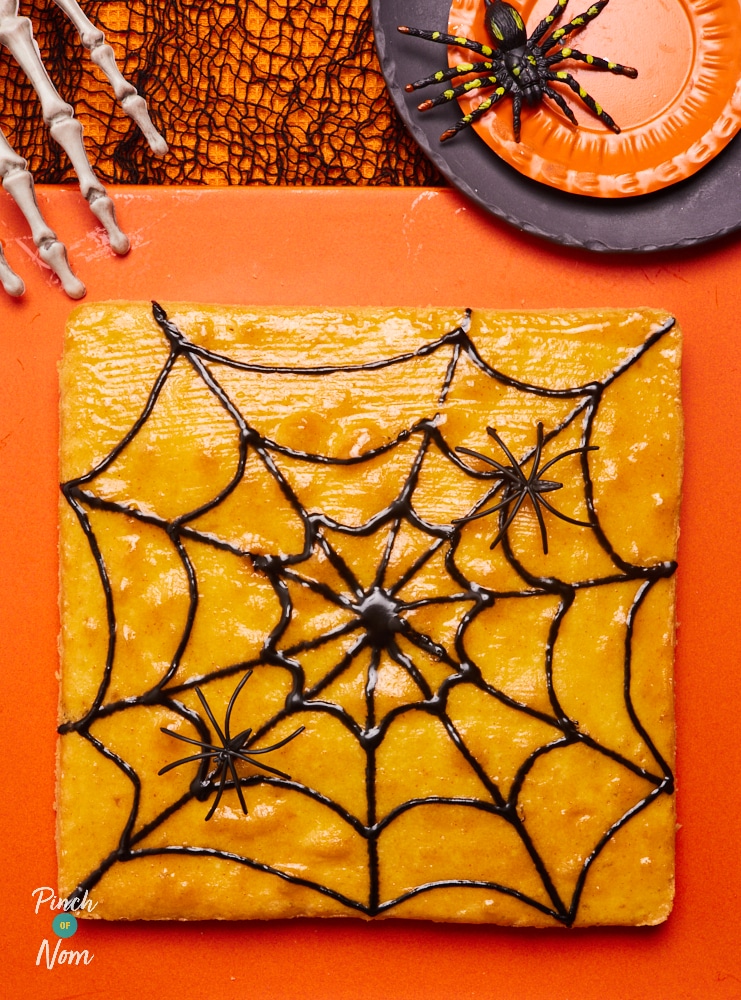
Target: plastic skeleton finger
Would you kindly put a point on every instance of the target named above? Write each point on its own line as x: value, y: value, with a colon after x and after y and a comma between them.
x: 10, y: 281
x: 102, y: 55
x: 16, y: 34
x: 12, y: 284
x: 18, y: 182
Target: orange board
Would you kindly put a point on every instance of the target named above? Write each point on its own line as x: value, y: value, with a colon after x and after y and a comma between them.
x: 369, y: 247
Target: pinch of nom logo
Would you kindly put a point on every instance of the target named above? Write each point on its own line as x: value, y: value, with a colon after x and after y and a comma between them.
x: 64, y: 925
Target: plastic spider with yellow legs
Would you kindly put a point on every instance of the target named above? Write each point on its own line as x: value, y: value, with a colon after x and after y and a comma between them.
x: 517, y: 64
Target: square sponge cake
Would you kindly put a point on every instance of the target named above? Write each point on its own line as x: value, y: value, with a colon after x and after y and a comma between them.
x: 368, y: 613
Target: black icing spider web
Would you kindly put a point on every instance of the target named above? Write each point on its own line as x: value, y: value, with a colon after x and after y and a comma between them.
x: 378, y: 624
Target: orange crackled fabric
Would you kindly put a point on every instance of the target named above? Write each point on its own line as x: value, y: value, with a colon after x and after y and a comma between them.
x: 245, y: 91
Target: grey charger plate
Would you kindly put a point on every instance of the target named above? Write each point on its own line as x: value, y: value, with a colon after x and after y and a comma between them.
x: 701, y: 208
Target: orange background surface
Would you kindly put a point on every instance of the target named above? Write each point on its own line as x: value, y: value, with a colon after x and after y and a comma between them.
x: 371, y: 246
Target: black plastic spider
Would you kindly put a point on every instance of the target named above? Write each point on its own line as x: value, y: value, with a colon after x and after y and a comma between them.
x: 515, y: 486
x: 224, y: 756
x: 517, y: 64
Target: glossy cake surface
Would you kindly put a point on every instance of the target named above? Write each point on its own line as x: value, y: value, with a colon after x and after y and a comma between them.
x: 369, y: 613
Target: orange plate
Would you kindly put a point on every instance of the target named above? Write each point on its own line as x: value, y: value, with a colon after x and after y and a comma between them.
x: 683, y: 108
x: 380, y: 247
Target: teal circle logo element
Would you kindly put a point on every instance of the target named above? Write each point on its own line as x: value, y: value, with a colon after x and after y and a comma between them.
x: 64, y: 925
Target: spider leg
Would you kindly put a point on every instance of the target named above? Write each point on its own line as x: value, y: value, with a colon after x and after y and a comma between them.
x: 536, y: 457
x: 479, y: 112
x: 558, y: 99
x: 565, y: 454
x: 263, y: 767
x: 564, y: 517
x: 516, y: 114
x: 445, y: 39
x: 230, y: 706
x: 515, y: 464
x: 599, y: 63
x: 563, y: 77
x: 483, y: 513
x: 16, y: 34
x: 187, y: 760
x: 210, y: 714
x: 575, y: 25
x: 492, y: 493
x: 189, y: 739
x: 450, y: 74
x: 484, y: 458
x: 237, y: 785
x: 534, y: 497
x: 18, y: 182
x: 452, y: 93
x: 508, y: 520
x: 278, y: 745
x: 548, y: 20
x: 220, y: 776
x: 102, y: 55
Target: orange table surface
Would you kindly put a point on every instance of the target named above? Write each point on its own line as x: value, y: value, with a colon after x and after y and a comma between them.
x: 335, y: 247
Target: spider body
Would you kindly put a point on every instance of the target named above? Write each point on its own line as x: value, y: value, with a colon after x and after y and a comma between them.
x: 517, y: 64
x: 218, y: 761
x: 513, y: 486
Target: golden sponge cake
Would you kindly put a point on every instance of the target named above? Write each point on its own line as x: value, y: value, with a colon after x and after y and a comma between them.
x: 368, y: 613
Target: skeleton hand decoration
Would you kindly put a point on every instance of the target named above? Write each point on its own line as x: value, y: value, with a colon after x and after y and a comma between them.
x: 16, y: 34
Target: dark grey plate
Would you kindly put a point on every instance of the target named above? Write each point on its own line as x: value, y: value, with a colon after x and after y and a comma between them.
x: 702, y: 208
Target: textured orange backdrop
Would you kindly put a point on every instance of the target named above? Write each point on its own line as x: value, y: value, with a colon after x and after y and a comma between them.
x: 246, y: 91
